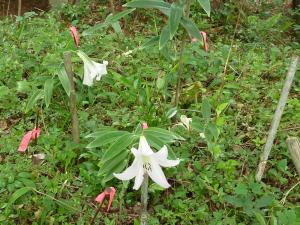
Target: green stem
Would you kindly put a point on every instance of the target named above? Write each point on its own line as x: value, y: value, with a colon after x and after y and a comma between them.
x: 144, y: 200
x: 180, y: 63
x: 179, y: 75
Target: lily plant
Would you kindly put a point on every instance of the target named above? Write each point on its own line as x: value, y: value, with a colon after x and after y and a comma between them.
x: 148, y: 162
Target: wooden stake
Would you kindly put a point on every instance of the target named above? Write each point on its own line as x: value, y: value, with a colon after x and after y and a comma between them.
x: 144, y: 200
x: 277, y: 116
x: 73, y: 109
x: 294, y: 148
x: 19, y: 7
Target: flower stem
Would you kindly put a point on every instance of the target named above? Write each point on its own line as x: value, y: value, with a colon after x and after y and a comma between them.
x: 144, y: 200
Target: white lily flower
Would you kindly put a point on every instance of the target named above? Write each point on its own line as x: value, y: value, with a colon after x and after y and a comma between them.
x: 185, y: 122
x: 92, y: 69
x: 148, y: 162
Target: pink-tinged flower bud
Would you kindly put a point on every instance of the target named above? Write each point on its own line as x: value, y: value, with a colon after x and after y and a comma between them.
x: 74, y: 33
x: 144, y: 125
x: 108, y: 192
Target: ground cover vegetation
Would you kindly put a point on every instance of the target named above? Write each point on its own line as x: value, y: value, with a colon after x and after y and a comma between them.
x: 229, y: 87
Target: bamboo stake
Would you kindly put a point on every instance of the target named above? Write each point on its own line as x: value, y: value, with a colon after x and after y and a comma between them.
x: 73, y: 109
x: 277, y: 116
x: 294, y: 148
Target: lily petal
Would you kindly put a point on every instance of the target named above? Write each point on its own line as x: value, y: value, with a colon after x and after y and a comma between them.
x: 161, y: 158
x: 139, y: 177
x: 157, y: 175
x: 130, y: 172
x: 144, y: 147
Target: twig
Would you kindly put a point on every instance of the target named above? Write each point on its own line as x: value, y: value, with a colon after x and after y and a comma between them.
x: 54, y: 199
x: 287, y: 193
x: 277, y: 116
x: 95, y: 216
x: 228, y: 56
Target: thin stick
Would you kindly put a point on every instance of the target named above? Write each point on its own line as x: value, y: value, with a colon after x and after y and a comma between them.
x: 287, y: 193
x: 73, y: 109
x: 144, y: 200
x: 228, y: 56
x: 8, y: 5
x: 294, y: 148
x: 95, y: 216
x: 19, y: 7
x: 277, y: 116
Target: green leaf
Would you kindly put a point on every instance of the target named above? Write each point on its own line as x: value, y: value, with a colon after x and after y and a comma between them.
x: 116, y: 17
x: 64, y: 80
x: 153, y: 41
x: 94, y: 29
x: 205, y: 4
x: 117, y: 28
x: 103, y: 138
x: 175, y: 17
x: 191, y: 28
x: 213, y: 130
x: 260, y: 218
x: 171, y: 112
x: 19, y: 193
x: 164, y: 37
x: 48, y: 90
x: 206, y: 109
x: 118, y: 146
x: 110, y: 20
x: 115, y: 155
x: 164, y: 135
x: 220, y: 108
x: 146, y: 4
x: 38, y: 94
x: 198, y: 124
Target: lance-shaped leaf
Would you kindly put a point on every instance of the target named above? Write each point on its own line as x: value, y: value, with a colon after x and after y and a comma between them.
x: 205, y: 4
x: 176, y: 13
x: 64, y: 80
x: 191, y: 28
x: 110, y: 20
x: 164, y: 37
x: 48, y: 90
x: 148, y: 4
x: 38, y: 94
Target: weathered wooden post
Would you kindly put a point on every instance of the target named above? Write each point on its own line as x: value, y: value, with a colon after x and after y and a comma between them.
x: 294, y: 148
x: 73, y: 109
x: 277, y: 117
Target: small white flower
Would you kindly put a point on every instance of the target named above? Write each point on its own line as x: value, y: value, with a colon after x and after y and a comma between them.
x: 92, y: 70
x: 185, y: 122
x: 146, y: 161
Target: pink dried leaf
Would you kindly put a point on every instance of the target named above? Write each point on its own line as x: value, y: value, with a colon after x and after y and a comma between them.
x: 204, y: 40
x: 111, y: 197
x: 25, y: 142
x: 75, y: 35
x: 100, y: 198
